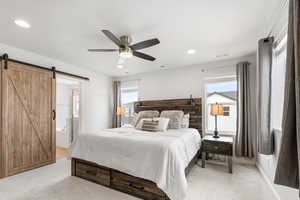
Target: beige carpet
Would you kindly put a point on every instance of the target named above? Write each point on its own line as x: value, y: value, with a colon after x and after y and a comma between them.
x: 55, y: 183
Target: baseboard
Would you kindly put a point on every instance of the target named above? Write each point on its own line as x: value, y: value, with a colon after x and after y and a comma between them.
x: 267, y: 180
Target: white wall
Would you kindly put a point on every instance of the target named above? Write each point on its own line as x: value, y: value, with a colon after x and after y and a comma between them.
x: 96, y: 93
x: 182, y: 82
x: 63, y: 105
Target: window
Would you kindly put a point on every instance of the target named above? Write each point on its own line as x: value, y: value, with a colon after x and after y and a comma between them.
x: 129, y: 95
x: 278, y: 74
x: 222, y: 91
x: 226, y: 111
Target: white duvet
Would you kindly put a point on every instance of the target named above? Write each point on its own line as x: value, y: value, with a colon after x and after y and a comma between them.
x: 160, y: 157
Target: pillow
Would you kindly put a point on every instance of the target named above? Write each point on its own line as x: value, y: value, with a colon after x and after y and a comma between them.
x: 140, y: 124
x: 146, y: 114
x: 162, y: 123
x: 150, y: 125
x: 175, y: 117
x: 134, y: 118
x: 185, y: 121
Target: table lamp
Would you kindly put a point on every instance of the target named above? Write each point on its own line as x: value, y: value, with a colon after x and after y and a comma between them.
x: 120, y: 111
x: 216, y: 109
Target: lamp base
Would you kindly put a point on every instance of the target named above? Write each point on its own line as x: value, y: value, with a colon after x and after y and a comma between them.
x: 216, y: 134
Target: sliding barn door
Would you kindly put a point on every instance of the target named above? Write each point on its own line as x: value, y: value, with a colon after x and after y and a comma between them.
x: 28, y: 117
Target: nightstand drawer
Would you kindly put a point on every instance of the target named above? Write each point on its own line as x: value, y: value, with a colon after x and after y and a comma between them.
x: 217, y: 148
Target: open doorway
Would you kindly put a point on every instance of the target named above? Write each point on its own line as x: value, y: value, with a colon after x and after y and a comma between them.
x: 68, y: 114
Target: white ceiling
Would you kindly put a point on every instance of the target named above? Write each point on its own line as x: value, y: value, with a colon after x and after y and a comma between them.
x: 64, y: 29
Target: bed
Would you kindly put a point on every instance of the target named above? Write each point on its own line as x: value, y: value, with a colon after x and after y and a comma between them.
x: 143, y: 164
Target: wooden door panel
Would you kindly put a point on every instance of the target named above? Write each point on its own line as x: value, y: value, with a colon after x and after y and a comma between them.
x: 29, y: 130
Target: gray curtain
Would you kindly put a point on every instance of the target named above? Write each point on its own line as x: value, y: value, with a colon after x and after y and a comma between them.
x: 245, y: 141
x: 287, y: 172
x: 264, y: 71
x: 117, y: 103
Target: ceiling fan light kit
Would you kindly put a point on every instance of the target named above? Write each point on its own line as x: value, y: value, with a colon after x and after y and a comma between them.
x: 125, y: 49
x: 125, y: 52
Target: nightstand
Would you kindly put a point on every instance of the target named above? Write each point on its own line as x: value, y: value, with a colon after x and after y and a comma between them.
x: 222, y: 146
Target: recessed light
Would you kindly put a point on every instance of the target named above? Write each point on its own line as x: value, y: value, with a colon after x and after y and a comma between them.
x: 22, y: 23
x: 120, y: 66
x: 191, y: 51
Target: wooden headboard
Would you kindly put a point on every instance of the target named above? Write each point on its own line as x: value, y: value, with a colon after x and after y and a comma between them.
x: 191, y: 106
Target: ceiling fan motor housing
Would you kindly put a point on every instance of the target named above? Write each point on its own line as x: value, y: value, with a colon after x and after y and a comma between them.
x: 125, y: 40
x: 125, y: 51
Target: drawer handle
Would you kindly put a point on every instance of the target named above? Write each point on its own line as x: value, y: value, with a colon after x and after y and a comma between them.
x: 139, y: 187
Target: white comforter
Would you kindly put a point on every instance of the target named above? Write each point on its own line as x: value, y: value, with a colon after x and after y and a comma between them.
x: 160, y: 157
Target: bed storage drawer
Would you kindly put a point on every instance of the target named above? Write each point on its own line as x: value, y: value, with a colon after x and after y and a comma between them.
x: 93, y: 173
x: 129, y: 184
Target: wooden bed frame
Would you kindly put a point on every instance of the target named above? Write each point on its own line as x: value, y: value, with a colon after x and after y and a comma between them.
x: 129, y: 184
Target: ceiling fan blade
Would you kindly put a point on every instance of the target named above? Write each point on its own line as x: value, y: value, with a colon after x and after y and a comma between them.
x: 143, y: 56
x: 112, y: 37
x: 102, y: 50
x: 145, y: 44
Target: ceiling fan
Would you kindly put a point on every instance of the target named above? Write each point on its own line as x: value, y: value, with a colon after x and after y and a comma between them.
x: 126, y: 50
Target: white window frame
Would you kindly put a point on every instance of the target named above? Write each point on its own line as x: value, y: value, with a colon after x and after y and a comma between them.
x: 137, y: 83
x: 204, y: 104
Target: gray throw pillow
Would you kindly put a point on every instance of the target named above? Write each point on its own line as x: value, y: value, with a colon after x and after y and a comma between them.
x: 146, y: 114
x: 175, y: 117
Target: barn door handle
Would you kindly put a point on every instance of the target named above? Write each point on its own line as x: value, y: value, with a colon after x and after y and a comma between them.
x: 54, y: 115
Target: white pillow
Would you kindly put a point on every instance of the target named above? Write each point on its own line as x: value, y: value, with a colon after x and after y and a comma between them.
x: 185, y: 121
x: 162, y: 123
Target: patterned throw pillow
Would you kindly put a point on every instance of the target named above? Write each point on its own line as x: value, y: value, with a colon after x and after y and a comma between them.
x: 162, y: 123
x: 150, y: 125
x: 175, y: 117
x: 140, y: 124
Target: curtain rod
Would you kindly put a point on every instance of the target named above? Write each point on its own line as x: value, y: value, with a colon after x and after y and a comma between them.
x: 5, y: 57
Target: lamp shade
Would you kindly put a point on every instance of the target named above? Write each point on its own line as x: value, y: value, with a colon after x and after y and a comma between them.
x: 120, y: 111
x: 217, y: 109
